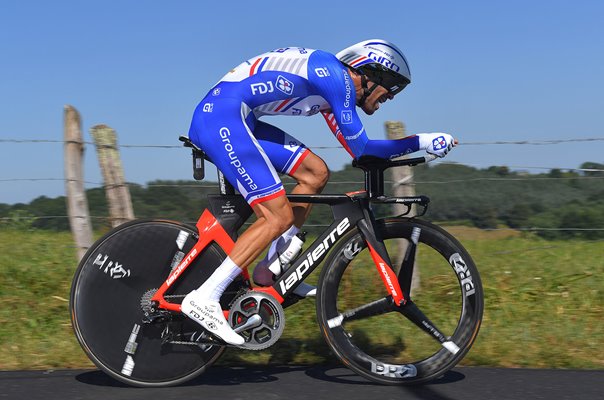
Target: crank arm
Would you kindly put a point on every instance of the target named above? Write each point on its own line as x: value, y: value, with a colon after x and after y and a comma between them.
x: 252, y: 322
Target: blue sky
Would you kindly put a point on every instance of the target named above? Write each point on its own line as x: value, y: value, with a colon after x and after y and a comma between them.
x: 482, y: 71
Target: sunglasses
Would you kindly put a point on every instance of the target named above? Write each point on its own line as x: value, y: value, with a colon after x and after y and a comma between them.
x: 393, y: 82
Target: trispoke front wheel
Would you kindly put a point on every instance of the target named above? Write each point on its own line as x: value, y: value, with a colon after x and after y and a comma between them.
x: 412, y: 342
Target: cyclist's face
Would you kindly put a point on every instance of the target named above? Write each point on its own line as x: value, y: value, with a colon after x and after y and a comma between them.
x: 378, y: 96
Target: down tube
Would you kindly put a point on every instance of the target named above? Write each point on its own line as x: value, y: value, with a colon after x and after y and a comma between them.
x: 312, y: 257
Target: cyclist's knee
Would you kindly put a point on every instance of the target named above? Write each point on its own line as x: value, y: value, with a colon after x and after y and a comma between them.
x: 313, y: 173
x: 321, y: 176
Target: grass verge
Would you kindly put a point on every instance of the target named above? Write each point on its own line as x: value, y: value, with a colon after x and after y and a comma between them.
x: 544, y: 305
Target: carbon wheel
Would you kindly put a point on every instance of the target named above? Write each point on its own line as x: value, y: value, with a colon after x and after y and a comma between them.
x: 411, y: 343
x: 111, y: 289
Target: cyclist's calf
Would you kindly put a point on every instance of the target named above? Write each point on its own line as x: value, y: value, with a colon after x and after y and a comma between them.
x: 277, y: 215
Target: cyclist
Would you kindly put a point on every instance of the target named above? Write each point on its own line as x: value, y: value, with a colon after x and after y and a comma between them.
x: 251, y: 153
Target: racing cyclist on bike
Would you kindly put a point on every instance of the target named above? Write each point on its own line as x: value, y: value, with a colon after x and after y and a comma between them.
x: 251, y: 153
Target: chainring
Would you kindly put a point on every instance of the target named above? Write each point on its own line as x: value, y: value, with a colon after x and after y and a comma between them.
x: 259, y: 318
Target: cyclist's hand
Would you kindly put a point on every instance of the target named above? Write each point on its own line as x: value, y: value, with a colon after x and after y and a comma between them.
x: 437, y: 143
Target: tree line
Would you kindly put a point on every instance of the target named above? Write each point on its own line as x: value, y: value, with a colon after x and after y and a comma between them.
x: 485, y: 198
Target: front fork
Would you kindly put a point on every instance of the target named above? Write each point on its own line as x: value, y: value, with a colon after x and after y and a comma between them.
x: 399, y: 286
x: 394, y: 284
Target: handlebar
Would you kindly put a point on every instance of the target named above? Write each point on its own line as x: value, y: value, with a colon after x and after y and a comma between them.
x: 371, y: 162
x: 414, y: 161
x: 374, y: 168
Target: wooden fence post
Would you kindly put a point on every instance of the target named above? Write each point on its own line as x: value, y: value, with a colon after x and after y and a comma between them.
x: 402, y: 178
x: 116, y: 191
x: 77, y: 203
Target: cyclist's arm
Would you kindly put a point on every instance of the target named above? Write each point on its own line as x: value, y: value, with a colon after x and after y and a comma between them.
x: 337, y: 88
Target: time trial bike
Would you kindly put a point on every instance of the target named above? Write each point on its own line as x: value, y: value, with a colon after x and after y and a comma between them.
x: 126, y: 293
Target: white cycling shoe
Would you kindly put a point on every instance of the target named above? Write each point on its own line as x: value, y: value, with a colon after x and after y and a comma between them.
x: 208, y: 314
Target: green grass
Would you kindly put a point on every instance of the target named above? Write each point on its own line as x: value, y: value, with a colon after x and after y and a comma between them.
x: 35, y: 330
x: 544, y: 303
x: 544, y: 306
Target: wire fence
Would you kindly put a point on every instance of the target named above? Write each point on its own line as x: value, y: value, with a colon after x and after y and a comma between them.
x: 534, y: 142
x: 514, y: 178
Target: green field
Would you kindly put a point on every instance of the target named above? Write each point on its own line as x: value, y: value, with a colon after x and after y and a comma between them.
x: 544, y: 305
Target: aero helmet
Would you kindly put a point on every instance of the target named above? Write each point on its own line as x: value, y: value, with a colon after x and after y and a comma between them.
x: 381, y: 61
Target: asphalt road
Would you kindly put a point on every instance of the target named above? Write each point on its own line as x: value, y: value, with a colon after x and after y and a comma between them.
x: 296, y: 383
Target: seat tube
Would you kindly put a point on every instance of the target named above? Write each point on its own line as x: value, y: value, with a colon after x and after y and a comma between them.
x: 209, y: 230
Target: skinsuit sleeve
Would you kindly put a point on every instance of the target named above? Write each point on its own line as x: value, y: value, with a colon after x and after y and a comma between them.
x: 334, y: 84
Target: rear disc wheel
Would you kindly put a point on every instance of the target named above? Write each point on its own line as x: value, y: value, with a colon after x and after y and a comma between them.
x: 110, y: 295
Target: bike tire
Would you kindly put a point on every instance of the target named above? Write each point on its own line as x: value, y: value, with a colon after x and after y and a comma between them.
x: 106, y: 299
x: 388, y: 348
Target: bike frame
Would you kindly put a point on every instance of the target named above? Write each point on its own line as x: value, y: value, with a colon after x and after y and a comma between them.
x: 349, y: 211
x: 227, y: 213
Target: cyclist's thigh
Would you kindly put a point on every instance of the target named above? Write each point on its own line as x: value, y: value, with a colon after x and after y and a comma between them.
x: 230, y: 144
x: 285, y: 152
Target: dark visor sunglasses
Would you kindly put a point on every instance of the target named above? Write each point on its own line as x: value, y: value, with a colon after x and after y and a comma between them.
x: 393, y: 82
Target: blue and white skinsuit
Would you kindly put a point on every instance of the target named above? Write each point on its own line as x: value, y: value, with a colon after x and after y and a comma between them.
x: 289, y: 81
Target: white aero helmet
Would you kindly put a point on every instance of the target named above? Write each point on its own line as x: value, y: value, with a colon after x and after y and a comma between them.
x: 381, y: 61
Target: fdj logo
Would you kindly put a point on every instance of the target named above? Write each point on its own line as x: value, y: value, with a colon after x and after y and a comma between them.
x: 322, y: 72
x: 285, y: 85
x: 262, y: 88
x: 439, y: 143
